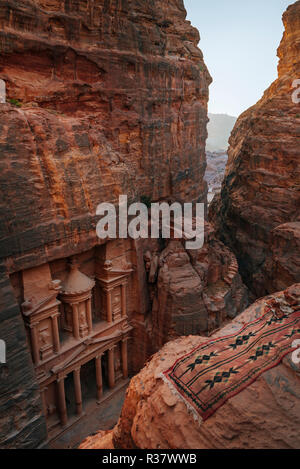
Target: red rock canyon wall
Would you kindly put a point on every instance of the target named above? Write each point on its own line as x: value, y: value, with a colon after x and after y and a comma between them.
x: 257, y: 213
x: 103, y: 98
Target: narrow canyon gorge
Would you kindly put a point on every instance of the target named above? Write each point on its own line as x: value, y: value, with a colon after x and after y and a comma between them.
x: 257, y: 214
x: 102, y: 98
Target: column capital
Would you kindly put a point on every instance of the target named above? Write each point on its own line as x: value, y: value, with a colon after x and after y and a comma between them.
x: 60, y: 378
x: 55, y: 315
x: 32, y: 325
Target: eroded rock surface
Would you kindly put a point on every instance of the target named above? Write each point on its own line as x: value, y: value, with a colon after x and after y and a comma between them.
x: 108, y: 99
x: 264, y: 415
x: 193, y: 291
x: 257, y: 213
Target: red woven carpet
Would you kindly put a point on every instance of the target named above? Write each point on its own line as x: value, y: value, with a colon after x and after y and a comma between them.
x: 216, y: 371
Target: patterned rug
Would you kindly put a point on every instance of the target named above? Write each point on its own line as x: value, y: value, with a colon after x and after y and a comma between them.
x: 221, y: 368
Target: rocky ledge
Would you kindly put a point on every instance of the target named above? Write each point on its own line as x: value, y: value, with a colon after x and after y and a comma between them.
x: 264, y: 415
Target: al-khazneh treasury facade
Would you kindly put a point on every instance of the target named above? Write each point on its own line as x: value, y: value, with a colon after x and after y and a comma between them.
x: 75, y: 312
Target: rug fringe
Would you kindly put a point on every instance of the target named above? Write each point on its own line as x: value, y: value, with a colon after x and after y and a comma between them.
x: 198, y: 419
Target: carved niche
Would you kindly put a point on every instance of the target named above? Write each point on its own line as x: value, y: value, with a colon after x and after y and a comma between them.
x: 113, y: 290
x: 41, y: 311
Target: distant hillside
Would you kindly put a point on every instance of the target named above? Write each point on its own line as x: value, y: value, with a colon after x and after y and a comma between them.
x: 219, y: 130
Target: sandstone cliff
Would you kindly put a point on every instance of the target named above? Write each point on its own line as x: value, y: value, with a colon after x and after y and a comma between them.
x: 257, y: 213
x: 103, y: 98
x: 192, y: 291
x: 265, y: 415
x: 113, y: 100
x: 189, y: 292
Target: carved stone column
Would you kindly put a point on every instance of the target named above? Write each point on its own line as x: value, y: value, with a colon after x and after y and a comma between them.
x: 99, y: 381
x: 77, y: 391
x: 34, y: 343
x: 124, y: 358
x: 124, y: 305
x: 62, y: 401
x: 89, y: 315
x: 75, y: 321
x: 56, y: 342
x: 109, y: 306
x: 44, y: 403
x: 111, y: 368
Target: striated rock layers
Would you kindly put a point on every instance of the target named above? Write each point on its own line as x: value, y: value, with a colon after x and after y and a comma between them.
x: 103, y: 98
x: 265, y: 415
x: 257, y: 213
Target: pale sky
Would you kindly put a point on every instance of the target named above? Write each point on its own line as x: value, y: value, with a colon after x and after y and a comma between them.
x: 239, y: 39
